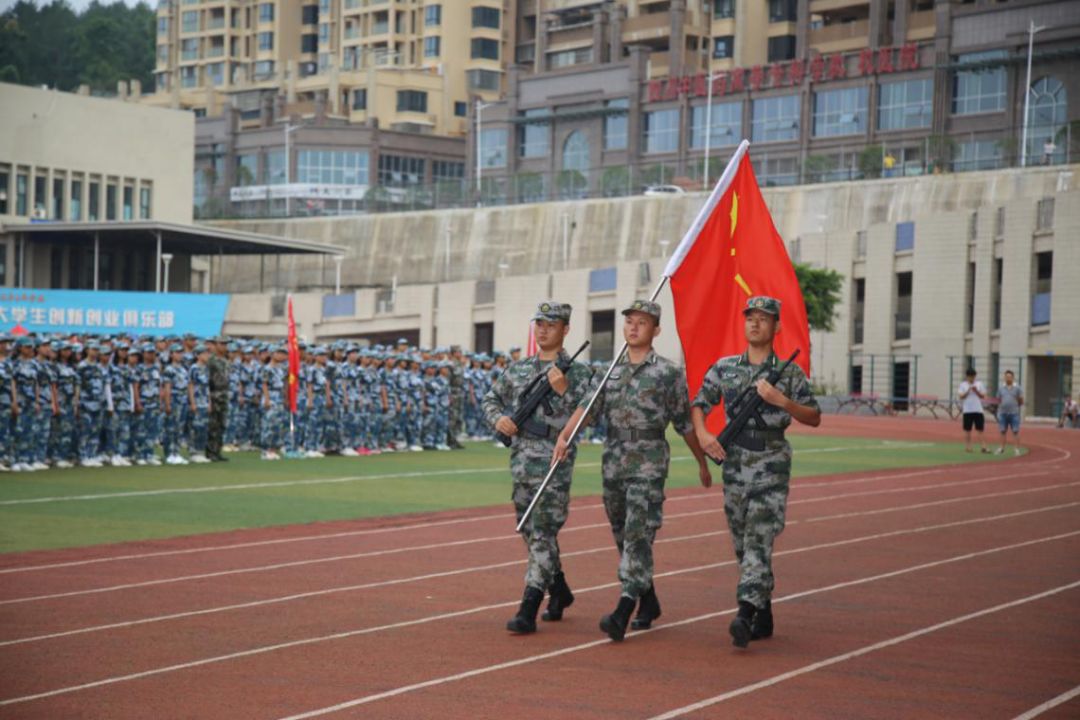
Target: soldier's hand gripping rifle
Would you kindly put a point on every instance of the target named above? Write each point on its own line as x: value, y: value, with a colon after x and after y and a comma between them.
x: 747, y: 406
x: 536, y: 394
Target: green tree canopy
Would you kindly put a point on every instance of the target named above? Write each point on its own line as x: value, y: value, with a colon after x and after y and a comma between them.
x: 821, y: 292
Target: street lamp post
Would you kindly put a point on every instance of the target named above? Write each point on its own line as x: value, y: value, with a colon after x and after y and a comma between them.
x: 480, y: 105
x: 289, y: 130
x: 166, y: 258
x: 1032, y: 29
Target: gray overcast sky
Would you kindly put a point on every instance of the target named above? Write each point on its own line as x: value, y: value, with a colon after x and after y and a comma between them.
x: 77, y: 5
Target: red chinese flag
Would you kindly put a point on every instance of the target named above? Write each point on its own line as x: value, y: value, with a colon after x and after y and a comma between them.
x: 531, y: 348
x: 294, y: 361
x: 733, y: 252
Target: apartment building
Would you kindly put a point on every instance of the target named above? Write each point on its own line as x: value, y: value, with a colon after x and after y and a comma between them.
x: 609, y: 97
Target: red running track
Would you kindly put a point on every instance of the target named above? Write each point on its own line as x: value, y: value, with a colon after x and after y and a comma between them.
x: 940, y: 592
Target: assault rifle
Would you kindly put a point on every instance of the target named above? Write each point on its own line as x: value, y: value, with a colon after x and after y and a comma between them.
x: 536, y: 394
x: 747, y: 406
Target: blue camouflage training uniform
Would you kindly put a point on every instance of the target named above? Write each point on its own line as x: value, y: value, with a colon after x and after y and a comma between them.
x: 200, y: 416
x: 64, y: 435
x: 275, y: 417
x: 92, y: 380
x: 176, y: 376
x: 118, y: 423
x: 149, y: 421
x: 755, y: 482
x: 26, y: 390
x: 7, y: 449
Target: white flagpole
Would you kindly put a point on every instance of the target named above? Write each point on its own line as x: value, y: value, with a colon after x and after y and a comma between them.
x: 680, y: 254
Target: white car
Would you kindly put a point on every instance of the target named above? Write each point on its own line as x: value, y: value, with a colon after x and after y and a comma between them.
x: 664, y: 190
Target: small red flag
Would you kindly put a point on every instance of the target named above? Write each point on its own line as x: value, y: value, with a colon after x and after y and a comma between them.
x: 294, y: 361
x: 530, y: 347
x: 733, y: 252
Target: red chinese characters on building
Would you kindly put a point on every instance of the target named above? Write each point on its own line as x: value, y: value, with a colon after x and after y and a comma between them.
x: 817, y: 68
x: 719, y: 83
x: 776, y: 75
x: 656, y: 91
x: 700, y: 87
x: 866, y: 61
x: 757, y: 77
x: 884, y: 60
x: 909, y: 57
x: 671, y: 89
x: 738, y: 80
x: 837, y: 69
x: 797, y: 71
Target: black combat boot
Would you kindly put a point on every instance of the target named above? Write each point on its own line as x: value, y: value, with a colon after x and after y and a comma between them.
x: 762, y: 626
x: 525, y: 621
x: 648, y: 610
x: 740, y: 626
x: 559, y: 598
x: 615, y: 623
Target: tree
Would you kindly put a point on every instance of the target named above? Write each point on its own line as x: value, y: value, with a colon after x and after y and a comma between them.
x: 870, y: 161
x: 817, y: 168
x: 821, y: 292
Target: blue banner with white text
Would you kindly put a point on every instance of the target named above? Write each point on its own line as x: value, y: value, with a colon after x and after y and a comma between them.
x: 88, y: 312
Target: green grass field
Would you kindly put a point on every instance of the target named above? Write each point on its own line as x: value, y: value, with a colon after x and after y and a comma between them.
x: 68, y: 508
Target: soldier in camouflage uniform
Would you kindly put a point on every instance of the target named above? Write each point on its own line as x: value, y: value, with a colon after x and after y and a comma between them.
x: 644, y: 393
x: 91, y: 393
x: 757, y: 463
x: 199, y: 404
x: 530, y: 458
x: 218, y: 367
x: 7, y: 404
x: 457, y: 397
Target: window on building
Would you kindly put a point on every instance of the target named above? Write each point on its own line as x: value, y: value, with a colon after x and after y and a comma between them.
x: 533, y: 137
x: 5, y: 178
x: 484, y: 48
x: 21, y: 190
x: 247, y: 169
x: 726, y: 122
x: 569, y: 58
x: 400, y: 170
x: 324, y: 33
x: 309, y: 15
x: 266, y: 12
x: 129, y: 202
x: 906, y: 104
x: 309, y: 43
x: 858, y: 311
x: 110, y: 202
x: 773, y: 171
x: 330, y: 167
x: 723, y: 9
x: 433, y: 15
x: 431, y: 46
x: 493, y: 148
x: 189, y: 49
x: 359, y: 99
x: 57, y: 198
x: 969, y: 299
x: 93, y: 198
x: 1047, y: 112
x: 162, y: 54
x: 1040, y: 301
x: 660, y: 130
x: 999, y: 223
x: 483, y: 79
x: 977, y: 155
x: 442, y: 170
x: 189, y: 21
x: 840, y: 112
x: 461, y: 109
x: 412, y: 101
x: 981, y: 89
x: 781, y: 47
x: 860, y: 244
x: 615, y: 124
x: 275, y: 168
x: 484, y: 337
x: 485, y: 17
x: 163, y: 26
x: 905, y: 236
x: 266, y: 41
x: 775, y: 119
x: 1044, y: 214
x: 723, y: 47
x: 902, y: 328
x: 783, y: 10
x: 144, y: 202
x: 574, y: 177
x: 602, y: 345
x: 215, y: 73
x: 995, y: 298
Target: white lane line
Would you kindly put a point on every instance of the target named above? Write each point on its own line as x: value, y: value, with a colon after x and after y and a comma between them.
x: 357, y: 556
x: 353, y: 588
x: 347, y: 479
x: 1050, y: 704
x: 585, y: 646
x: 504, y: 516
x: 349, y: 634
x: 865, y: 650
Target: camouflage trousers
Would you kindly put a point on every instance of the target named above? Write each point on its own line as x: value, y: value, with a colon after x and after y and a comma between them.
x: 635, y: 509
x: 6, y: 435
x: 174, y: 426
x: 147, y: 425
x: 275, y: 426
x: 755, y: 502
x: 218, y: 417
x: 90, y: 425
x: 25, y: 441
x: 235, y: 423
x: 118, y: 434
x: 457, y: 401
x: 42, y: 426
x: 529, y: 463
x: 63, y: 435
x: 435, y: 428
x: 200, y: 429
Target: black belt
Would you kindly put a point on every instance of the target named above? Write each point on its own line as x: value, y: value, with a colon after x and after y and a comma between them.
x: 756, y: 439
x: 634, y: 434
x: 536, y: 430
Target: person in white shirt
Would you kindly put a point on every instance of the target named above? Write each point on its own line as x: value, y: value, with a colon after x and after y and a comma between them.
x: 972, y: 392
x: 1070, y: 413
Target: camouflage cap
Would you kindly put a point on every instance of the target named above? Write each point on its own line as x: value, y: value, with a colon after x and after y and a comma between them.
x: 645, y: 306
x: 764, y: 304
x: 553, y: 311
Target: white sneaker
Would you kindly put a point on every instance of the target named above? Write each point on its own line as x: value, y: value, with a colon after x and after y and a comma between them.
x: 92, y: 462
x: 349, y: 452
x: 1016, y: 451
x: 999, y: 451
x: 416, y: 448
x: 18, y: 467
x: 40, y: 466
x: 314, y: 454
x: 199, y: 458
x: 4, y: 468
x: 153, y: 461
x: 64, y: 464
x: 141, y: 462
x: 442, y: 446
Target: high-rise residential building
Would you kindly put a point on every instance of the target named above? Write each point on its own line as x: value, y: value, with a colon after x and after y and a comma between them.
x: 610, y: 97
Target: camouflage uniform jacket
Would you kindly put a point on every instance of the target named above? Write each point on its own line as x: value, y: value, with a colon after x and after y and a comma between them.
x: 502, y: 398
x: 218, y: 369
x: 725, y: 380
x: 646, y: 396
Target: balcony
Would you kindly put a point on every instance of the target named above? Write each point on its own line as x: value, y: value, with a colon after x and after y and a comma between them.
x: 557, y: 5
x: 646, y: 27
x: 559, y: 39
x: 380, y: 28
x: 659, y: 63
x: 824, y: 6
x: 921, y: 25
x: 841, y: 36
